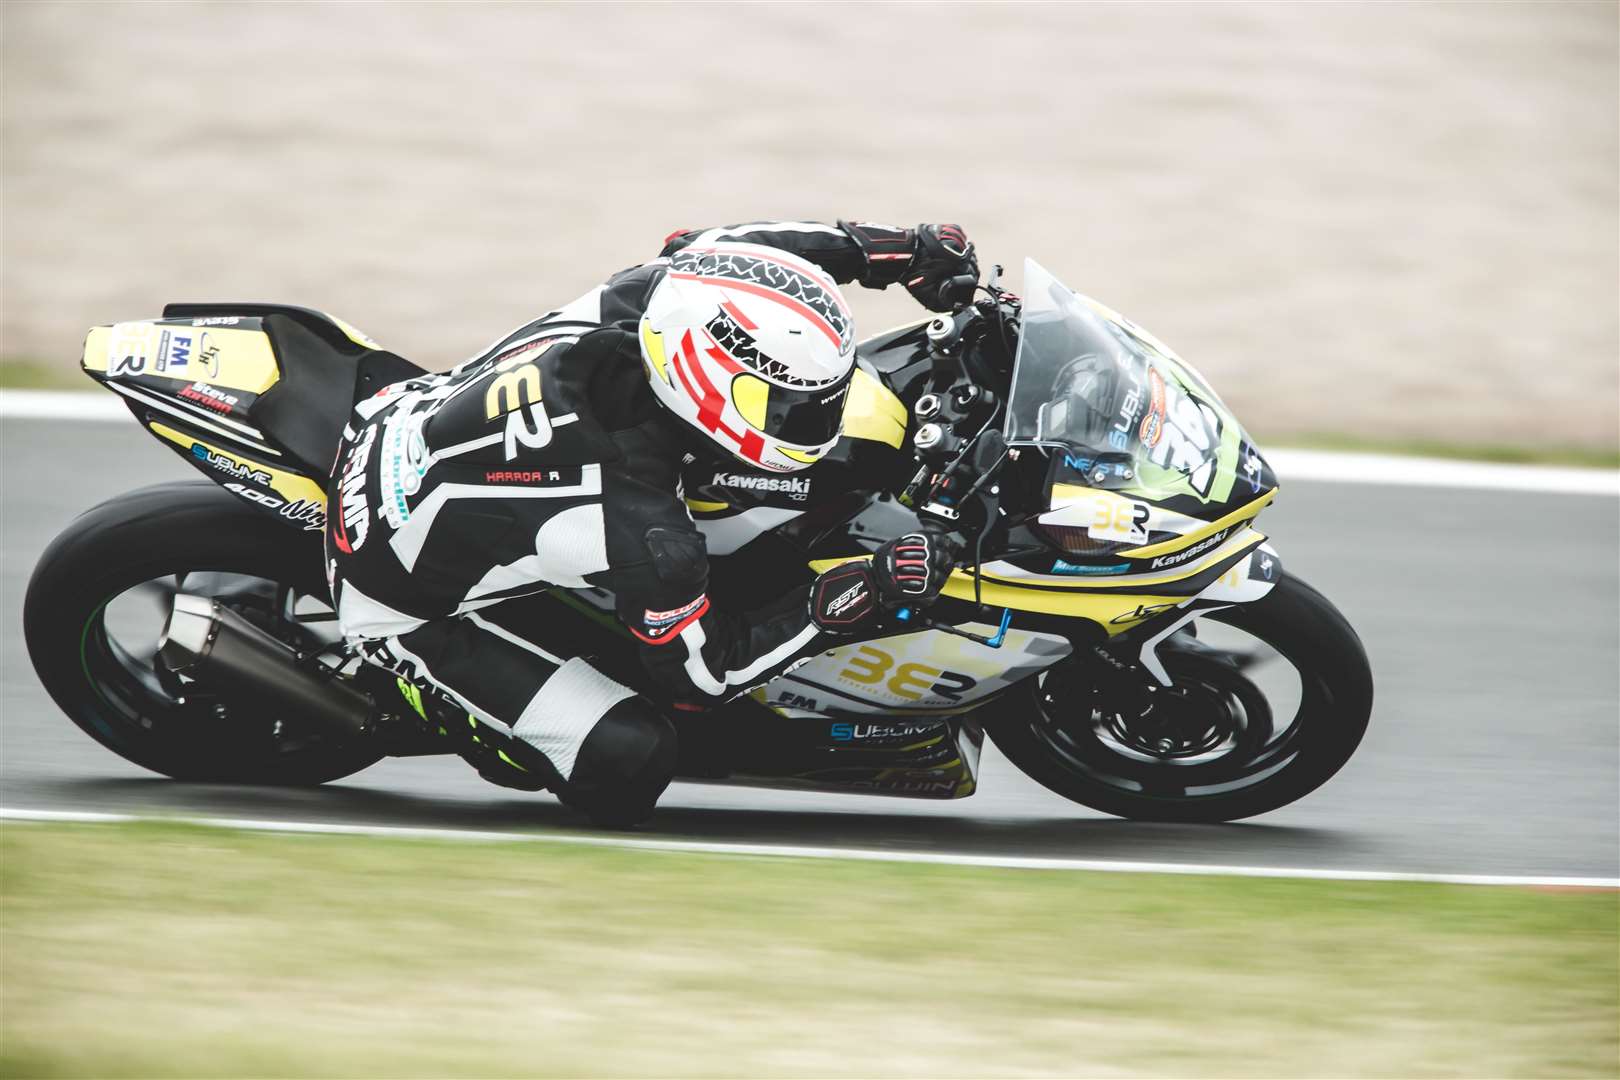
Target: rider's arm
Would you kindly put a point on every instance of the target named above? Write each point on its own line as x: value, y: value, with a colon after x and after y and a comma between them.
x: 692, y: 649
x: 874, y: 255
x: 689, y: 645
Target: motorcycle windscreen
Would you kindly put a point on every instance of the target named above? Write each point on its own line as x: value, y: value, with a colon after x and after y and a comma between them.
x: 1124, y: 410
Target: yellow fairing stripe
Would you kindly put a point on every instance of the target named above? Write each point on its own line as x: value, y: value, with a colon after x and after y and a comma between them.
x: 652, y: 344
x: 1100, y: 608
x: 289, y: 485
x: 1097, y: 607
x: 704, y: 507
x: 1242, y: 513
x: 751, y: 395
x: 872, y: 412
x: 1243, y: 541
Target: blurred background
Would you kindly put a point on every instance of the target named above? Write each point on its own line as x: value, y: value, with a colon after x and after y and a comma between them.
x: 1394, y: 223
x: 1384, y: 225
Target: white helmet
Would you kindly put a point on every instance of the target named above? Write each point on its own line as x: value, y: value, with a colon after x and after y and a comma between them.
x: 754, y: 347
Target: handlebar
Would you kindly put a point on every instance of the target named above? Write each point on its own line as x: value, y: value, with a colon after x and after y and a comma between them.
x: 959, y: 445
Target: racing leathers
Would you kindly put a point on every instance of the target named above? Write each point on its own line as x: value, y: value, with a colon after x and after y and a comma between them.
x: 545, y: 462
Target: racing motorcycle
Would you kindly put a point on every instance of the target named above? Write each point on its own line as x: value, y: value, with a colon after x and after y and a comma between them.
x: 1119, y: 628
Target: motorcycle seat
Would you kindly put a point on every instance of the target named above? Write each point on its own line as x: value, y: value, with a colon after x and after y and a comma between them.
x: 325, y: 368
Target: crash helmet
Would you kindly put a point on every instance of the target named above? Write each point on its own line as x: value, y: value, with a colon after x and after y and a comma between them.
x: 754, y: 348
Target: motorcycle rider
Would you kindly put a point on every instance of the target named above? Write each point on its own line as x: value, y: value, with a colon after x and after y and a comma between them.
x: 553, y: 460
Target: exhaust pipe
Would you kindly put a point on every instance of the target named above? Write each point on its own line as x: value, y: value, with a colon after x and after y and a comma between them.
x: 205, y: 641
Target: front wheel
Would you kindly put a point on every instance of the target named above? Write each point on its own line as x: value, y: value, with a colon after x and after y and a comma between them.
x: 97, y: 602
x: 1269, y: 700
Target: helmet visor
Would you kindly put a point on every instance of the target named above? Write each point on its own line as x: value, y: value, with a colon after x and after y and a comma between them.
x: 796, y: 415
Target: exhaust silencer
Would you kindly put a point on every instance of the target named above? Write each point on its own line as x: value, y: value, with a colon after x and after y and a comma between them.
x: 222, y: 651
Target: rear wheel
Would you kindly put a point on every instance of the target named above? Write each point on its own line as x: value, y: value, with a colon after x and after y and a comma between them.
x: 96, y: 604
x: 1269, y: 700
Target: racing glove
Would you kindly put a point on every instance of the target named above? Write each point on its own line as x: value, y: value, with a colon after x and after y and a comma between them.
x: 925, y: 258
x: 908, y: 571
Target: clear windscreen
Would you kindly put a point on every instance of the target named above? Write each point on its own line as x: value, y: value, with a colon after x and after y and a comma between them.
x: 1119, y: 405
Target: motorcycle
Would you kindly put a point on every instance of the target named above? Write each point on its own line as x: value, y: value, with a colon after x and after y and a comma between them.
x: 1122, y: 632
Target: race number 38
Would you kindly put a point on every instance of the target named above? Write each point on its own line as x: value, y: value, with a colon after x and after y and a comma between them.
x: 874, y: 667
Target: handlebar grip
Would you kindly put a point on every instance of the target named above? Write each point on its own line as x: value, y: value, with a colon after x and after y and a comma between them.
x: 958, y: 291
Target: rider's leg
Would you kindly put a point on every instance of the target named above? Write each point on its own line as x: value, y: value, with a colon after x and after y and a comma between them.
x: 590, y: 739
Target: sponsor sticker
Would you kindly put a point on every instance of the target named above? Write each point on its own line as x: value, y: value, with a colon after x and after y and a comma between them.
x: 794, y: 487
x: 306, y: 512
x: 228, y: 465
x: 1152, y: 429
x: 177, y: 347
x: 844, y: 600
x: 1251, y: 467
x: 1130, y: 408
x: 209, y: 398
x: 659, y: 624
x: 1061, y: 567
x: 263, y: 498
x: 403, y: 464
x: 350, y: 520
x: 1142, y: 611
x: 1176, y: 558
x: 131, y: 347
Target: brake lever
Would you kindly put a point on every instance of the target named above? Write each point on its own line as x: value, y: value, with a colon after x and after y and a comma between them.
x: 912, y: 615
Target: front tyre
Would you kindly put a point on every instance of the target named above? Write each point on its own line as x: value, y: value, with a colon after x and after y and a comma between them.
x: 1222, y: 743
x: 96, y: 603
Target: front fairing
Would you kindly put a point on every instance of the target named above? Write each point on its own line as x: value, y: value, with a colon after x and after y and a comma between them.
x: 1119, y: 411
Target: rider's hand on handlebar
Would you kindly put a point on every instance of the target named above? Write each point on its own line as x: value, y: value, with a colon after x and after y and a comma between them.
x: 908, y: 571
x: 911, y: 570
x: 943, y: 252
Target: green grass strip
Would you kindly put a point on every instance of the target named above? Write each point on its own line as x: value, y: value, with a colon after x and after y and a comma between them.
x: 167, y: 950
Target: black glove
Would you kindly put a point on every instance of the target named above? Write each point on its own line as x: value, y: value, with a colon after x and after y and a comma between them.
x: 908, y: 571
x: 925, y: 258
x: 943, y: 252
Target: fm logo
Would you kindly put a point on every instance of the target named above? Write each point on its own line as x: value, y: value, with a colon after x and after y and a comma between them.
x: 873, y: 667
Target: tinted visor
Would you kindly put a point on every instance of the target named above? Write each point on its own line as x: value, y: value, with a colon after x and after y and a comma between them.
x: 797, y: 415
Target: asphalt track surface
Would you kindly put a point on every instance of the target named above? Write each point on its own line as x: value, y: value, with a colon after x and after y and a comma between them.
x: 1490, y: 618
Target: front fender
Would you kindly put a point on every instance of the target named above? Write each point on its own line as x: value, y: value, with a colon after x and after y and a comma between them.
x: 1247, y: 580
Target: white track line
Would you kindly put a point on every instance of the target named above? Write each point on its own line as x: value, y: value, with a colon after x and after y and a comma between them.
x: 793, y: 851
x: 61, y: 405
x: 1436, y: 472
x: 1290, y: 464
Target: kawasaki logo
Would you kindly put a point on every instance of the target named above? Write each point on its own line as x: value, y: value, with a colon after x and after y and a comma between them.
x: 793, y: 487
x: 1197, y: 549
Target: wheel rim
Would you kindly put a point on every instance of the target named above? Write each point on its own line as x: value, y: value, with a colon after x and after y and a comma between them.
x: 1232, y: 719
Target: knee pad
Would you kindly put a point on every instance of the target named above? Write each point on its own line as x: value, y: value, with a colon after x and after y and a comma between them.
x: 624, y: 764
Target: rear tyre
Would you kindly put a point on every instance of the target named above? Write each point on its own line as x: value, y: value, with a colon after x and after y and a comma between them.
x: 1077, y: 742
x: 171, y: 533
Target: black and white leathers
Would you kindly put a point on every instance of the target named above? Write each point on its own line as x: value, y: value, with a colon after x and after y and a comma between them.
x: 546, y: 462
